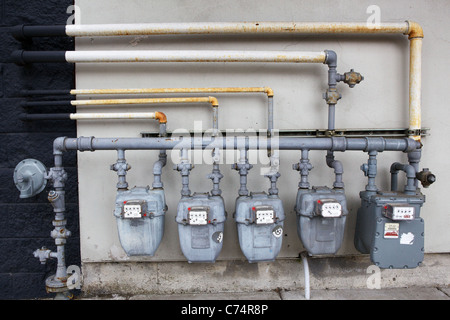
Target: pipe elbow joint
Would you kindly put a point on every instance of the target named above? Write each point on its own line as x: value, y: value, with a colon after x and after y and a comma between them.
x: 407, y: 168
x: 214, y: 102
x: 330, y: 58
x: 414, y: 30
x: 161, y: 117
x: 157, y: 167
x: 59, y: 145
x: 269, y: 91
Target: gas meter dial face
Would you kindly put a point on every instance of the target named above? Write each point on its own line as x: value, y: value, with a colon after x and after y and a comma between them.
x: 198, y: 216
x: 330, y: 208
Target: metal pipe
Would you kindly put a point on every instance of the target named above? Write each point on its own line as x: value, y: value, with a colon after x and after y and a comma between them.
x: 415, y: 87
x: 209, y: 28
x: 266, y: 90
x: 410, y: 28
x: 142, y: 115
x: 212, y: 100
x: 22, y: 57
x: 282, y: 143
x: 410, y: 187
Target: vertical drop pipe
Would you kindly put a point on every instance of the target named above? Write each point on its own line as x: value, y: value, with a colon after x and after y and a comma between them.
x: 161, y: 162
x: 58, y: 282
x: 331, y: 97
x: 184, y: 167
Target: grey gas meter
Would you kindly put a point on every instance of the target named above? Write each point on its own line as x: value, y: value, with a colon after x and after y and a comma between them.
x: 200, y: 219
x: 321, y: 216
x: 140, y: 217
x: 259, y: 218
x: 390, y: 229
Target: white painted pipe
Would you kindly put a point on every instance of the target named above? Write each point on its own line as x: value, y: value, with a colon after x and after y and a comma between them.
x: 195, y: 56
x: 233, y: 28
x: 95, y: 116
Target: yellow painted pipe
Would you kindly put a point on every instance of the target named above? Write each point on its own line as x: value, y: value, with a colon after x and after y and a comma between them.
x: 410, y: 28
x: 415, y: 36
x: 212, y: 100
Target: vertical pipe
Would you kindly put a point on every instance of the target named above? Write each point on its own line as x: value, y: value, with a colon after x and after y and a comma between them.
x: 185, y: 170
x: 304, y: 168
x: 215, y: 119
x: 121, y: 167
x: 415, y: 85
x: 270, y: 115
x: 371, y: 171
x: 331, y: 116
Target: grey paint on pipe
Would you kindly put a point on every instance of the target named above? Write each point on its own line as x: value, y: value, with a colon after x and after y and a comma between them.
x: 282, y: 143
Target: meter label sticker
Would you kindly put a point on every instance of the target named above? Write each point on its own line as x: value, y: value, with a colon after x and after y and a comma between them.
x: 407, y: 238
x: 391, y: 230
x: 277, y: 231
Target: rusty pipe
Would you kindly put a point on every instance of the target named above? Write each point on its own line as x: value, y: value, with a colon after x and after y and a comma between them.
x: 212, y: 100
x: 159, y: 115
x: 410, y: 28
x: 266, y: 90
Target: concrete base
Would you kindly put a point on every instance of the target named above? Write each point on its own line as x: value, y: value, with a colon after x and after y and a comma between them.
x: 287, y: 276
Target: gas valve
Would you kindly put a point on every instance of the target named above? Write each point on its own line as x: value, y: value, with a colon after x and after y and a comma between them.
x: 352, y: 78
x: 426, y: 177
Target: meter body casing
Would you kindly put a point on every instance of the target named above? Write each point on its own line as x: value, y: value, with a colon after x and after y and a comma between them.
x: 259, y: 220
x: 390, y: 229
x: 321, y: 218
x: 140, y: 218
x: 201, y: 219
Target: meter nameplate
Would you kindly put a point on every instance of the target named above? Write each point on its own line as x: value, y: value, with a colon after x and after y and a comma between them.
x: 198, y: 216
x: 133, y: 209
x: 391, y: 230
x: 329, y: 208
x: 264, y: 214
x: 398, y: 211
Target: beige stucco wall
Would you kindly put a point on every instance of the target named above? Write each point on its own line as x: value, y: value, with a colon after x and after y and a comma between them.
x: 380, y: 101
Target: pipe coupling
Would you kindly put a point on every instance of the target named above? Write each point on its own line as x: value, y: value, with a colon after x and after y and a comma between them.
x: 85, y: 143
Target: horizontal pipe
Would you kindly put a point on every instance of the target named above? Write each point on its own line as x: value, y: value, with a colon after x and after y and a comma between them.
x: 161, y: 117
x: 266, y: 90
x: 215, y: 28
x: 44, y: 92
x: 410, y: 28
x: 232, y: 28
x: 22, y: 57
x: 234, y: 142
x: 44, y: 116
x: 212, y: 100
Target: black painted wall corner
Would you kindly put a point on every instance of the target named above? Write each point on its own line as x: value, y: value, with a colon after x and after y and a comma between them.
x: 25, y: 224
